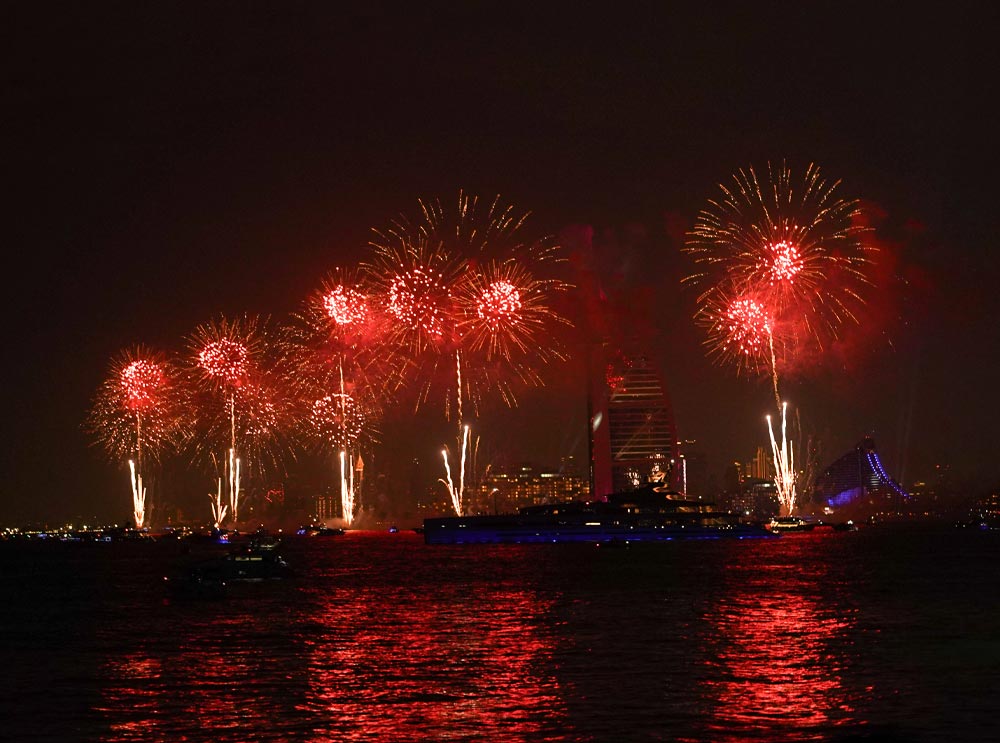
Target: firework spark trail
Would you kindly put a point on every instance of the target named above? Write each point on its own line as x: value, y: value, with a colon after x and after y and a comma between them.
x: 456, y: 494
x: 137, y: 414
x: 138, y: 496
x: 218, y: 507
x: 347, y: 487
x: 234, y: 485
x: 784, y: 470
x: 795, y: 248
x: 774, y: 372
x: 461, y: 474
x: 449, y: 484
x: 784, y: 458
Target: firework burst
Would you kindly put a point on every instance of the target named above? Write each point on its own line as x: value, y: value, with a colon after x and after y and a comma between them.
x: 505, y: 312
x: 795, y: 242
x: 740, y: 329
x: 783, y: 261
x: 226, y: 352
x: 137, y: 415
x: 245, y: 402
x: 469, y: 302
x: 345, y: 306
x: 414, y: 277
x: 338, y: 420
x: 344, y: 369
x: 341, y: 333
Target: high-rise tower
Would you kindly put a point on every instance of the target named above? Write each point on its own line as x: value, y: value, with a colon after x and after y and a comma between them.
x: 632, y: 434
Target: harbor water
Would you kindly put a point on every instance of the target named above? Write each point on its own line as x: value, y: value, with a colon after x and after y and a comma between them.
x: 884, y: 634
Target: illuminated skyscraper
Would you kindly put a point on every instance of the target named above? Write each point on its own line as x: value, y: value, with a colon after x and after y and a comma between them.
x: 632, y: 432
x: 858, y: 479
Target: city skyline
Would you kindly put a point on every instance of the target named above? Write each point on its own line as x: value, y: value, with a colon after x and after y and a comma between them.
x: 171, y: 170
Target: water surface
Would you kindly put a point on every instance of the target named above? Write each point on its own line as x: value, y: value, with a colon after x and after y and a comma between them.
x: 883, y: 634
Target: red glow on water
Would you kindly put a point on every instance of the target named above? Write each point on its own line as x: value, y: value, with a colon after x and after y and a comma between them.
x: 438, y: 668
x: 224, y: 359
x: 140, y: 381
x: 778, y: 650
x: 346, y: 306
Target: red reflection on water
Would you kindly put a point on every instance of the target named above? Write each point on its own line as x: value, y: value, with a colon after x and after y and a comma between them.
x: 203, y: 693
x: 777, y: 672
x: 375, y: 639
x: 387, y: 667
x: 131, y: 690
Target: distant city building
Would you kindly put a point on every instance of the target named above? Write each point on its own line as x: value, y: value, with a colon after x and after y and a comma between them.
x: 526, y: 485
x: 692, y: 470
x: 761, y: 466
x: 858, y: 482
x: 733, y: 477
x: 632, y: 431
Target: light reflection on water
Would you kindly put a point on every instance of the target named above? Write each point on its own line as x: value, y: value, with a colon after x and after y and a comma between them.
x: 777, y: 671
x: 811, y: 637
x: 472, y: 666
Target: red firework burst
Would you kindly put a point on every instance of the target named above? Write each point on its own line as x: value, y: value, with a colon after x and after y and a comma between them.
x: 747, y: 326
x: 138, y: 411
x: 420, y: 299
x: 796, y: 244
x: 338, y: 421
x: 226, y: 351
x: 785, y: 262
x: 414, y: 276
x: 506, y: 312
x: 499, y: 302
x: 740, y: 329
x: 224, y: 359
x: 345, y: 306
x: 141, y: 382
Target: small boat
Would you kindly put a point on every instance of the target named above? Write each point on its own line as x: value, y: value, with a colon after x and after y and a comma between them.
x: 649, y: 514
x: 257, y: 562
x: 783, y: 524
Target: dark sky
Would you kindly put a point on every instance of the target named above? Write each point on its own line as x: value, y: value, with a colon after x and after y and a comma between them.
x: 170, y: 162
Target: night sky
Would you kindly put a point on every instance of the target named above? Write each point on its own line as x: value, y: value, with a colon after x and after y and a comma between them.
x: 167, y: 163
